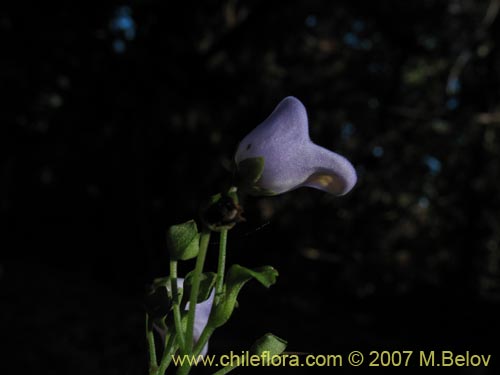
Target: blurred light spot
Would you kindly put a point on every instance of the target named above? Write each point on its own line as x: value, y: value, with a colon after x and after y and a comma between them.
x: 453, y: 86
x: 455, y: 7
x: 123, y: 22
x: 429, y: 42
x: 119, y: 46
x: 378, y: 151
x: 327, y: 45
x: 46, y: 176
x: 373, y: 103
x: 5, y: 23
x: 22, y: 120
x: 215, y: 137
x: 440, y: 126
x: 365, y: 290
x: 351, y: 40
x: 366, y: 44
x: 316, y: 254
x: 374, y: 67
x: 433, y: 164
x: 358, y: 26
x: 266, y: 208
x: 403, y: 257
x: 41, y: 126
x: 452, y: 103
x: 311, y: 21
x: 93, y: 190
x: 492, y: 245
x: 489, y: 139
x: 123, y: 26
x: 423, y: 202
x: 483, y: 50
x: 311, y: 253
x: 347, y: 130
x: 63, y: 82
x: 55, y: 100
x: 157, y: 204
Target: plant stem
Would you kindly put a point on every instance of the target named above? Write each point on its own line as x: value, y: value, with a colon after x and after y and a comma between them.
x: 219, y: 284
x: 177, y: 311
x: 204, y: 337
x: 221, y: 266
x: 167, y: 352
x: 153, y: 363
x: 195, y: 288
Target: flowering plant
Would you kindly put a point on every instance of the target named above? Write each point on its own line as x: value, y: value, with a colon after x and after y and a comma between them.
x: 276, y: 157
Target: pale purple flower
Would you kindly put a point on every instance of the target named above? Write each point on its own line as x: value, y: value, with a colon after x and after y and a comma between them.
x: 291, y: 159
x: 202, y: 313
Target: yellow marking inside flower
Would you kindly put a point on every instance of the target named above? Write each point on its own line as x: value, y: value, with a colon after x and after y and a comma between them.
x: 325, y: 182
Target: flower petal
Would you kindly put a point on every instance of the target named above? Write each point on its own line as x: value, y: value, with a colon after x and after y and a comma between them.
x: 279, y: 139
x: 291, y: 159
x: 202, y: 313
x: 332, y: 172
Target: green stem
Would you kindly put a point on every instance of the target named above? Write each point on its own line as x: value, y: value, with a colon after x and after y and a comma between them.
x: 153, y: 363
x: 204, y: 337
x: 167, y: 353
x: 219, y: 292
x: 195, y: 288
x: 219, y: 283
x: 177, y: 310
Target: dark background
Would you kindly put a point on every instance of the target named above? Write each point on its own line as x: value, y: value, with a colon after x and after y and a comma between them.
x: 117, y: 119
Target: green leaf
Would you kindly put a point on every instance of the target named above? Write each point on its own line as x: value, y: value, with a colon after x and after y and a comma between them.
x: 183, y: 241
x: 167, y: 283
x: 207, y: 283
x: 158, y: 302
x: 269, y: 343
x: 237, y: 277
x: 266, y: 275
x: 161, y: 281
x: 250, y: 170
